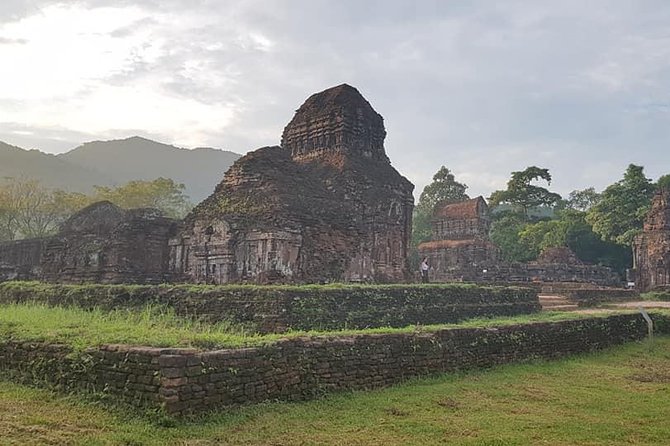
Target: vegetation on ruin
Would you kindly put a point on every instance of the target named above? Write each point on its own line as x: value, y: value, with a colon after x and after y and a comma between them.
x: 615, y: 397
x: 160, y: 327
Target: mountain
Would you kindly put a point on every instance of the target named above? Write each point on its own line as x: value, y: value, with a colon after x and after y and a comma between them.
x: 52, y: 171
x: 139, y: 158
x: 109, y: 163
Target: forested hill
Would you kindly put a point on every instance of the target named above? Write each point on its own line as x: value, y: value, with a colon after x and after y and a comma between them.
x: 53, y: 172
x: 119, y: 161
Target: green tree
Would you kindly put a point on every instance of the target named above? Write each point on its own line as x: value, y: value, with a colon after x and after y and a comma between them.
x: 537, y: 237
x: 444, y: 189
x: 619, y: 214
x: 663, y: 182
x: 28, y: 209
x: 162, y: 193
x: 522, y: 195
x: 589, y: 247
x: 582, y: 200
x: 505, y: 231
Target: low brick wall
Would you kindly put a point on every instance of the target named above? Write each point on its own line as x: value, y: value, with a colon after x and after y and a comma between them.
x: 279, y: 308
x: 186, y: 381
x: 129, y: 374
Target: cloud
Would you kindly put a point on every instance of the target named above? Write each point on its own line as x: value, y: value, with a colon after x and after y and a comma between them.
x: 482, y: 88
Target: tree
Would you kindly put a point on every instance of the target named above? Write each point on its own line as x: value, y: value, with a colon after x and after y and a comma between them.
x: 619, y: 214
x: 545, y: 234
x: 29, y: 210
x: 522, y: 194
x: 663, y: 182
x: 443, y: 189
x: 505, y: 232
x: 589, y: 247
x: 162, y: 193
x: 582, y: 200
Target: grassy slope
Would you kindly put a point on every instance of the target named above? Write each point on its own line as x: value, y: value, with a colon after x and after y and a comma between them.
x: 612, y: 398
x: 160, y: 327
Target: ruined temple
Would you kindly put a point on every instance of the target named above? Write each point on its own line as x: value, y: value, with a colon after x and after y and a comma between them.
x: 102, y: 243
x: 651, y: 249
x: 324, y: 206
x: 460, y: 248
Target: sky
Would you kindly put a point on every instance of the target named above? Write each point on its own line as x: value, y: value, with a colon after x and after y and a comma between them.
x: 484, y: 88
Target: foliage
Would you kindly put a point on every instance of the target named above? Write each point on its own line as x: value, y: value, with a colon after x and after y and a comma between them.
x: 27, y: 209
x: 524, y: 195
x: 539, y: 236
x: 444, y: 189
x: 619, y: 214
x: 522, y: 241
x: 582, y: 200
x: 589, y: 247
x: 161, y: 193
x: 505, y: 232
x: 622, y: 392
x: 663, y: 182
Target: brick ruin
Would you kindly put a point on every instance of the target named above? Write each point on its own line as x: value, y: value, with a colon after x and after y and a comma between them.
x: 101, y: 243
x: 461, y: 250
x: 324, y: 206
x: 651, y: 249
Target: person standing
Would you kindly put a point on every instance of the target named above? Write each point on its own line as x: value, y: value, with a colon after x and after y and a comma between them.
x: 424, y: 270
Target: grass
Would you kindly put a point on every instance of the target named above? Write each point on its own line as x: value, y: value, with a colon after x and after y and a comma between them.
x: 160, y: 327
x: 615, y: 397
x: 656, y: 296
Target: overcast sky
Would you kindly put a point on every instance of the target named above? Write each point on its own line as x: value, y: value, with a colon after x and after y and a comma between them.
x: 482, y: 87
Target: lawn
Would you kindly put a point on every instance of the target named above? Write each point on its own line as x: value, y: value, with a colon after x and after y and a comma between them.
x: 616, y: 397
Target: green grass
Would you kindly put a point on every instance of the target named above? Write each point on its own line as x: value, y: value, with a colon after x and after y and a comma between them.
x: 160, y: 327
x: 656, y: 296
x: 617, y: 397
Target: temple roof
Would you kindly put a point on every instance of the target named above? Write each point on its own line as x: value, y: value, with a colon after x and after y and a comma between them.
x: 336, y: 119
x: 472, y: 208
x: 341, y: 96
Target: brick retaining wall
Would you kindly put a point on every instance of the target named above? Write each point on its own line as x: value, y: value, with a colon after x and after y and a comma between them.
x: 278, y: 308
x: 186, y: 381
